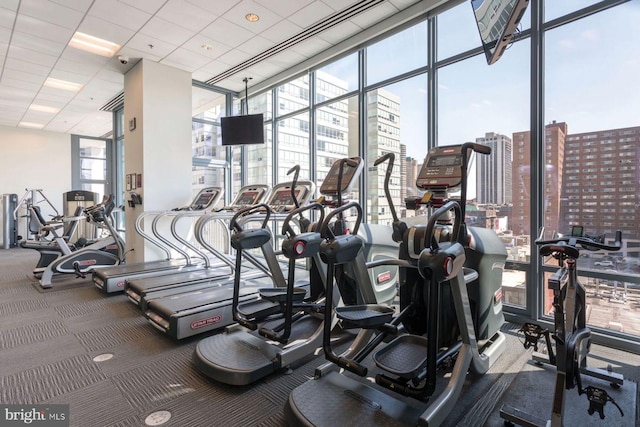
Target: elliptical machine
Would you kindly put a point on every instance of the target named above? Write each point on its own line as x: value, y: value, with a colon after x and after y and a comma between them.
x: 437, y: 277
x: 571, y: 335
x: 109, y: 250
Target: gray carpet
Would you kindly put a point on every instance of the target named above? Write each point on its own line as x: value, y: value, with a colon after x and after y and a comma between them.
x: 50, y: 339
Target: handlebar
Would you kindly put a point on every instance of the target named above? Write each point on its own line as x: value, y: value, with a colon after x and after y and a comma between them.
x: 585, y: 242
x: 387, y: 177
x: 286, y: 228
x: 344, y: 161
x: 294, y: 183
x: 233, y: 224
x: 324, y: 228
x: 452, y: 204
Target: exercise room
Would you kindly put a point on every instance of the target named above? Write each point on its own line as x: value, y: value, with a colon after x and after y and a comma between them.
x: 319, y: 213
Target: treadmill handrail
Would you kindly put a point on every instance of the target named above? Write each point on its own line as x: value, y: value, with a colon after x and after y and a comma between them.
x: 148, y: 237
x: 154, y: 228
x: 178, y: 237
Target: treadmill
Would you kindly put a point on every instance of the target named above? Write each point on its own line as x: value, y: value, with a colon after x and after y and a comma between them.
x: 140, y: 289
x: 112, y: 279
x: 195, y: 309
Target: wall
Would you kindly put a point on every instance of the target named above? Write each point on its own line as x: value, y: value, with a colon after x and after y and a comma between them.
x: 35, y: 159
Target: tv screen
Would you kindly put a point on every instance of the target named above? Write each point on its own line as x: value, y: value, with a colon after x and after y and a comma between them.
x: 497, y: 22
x: 240, y: 130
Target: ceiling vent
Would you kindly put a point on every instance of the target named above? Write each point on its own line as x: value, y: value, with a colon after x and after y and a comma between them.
x: 114, y: 103
x: 315, y: 29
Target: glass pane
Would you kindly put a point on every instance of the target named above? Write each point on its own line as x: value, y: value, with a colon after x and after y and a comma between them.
x: 260, y: 160
x: 293, y: 96
x: 95, y: 187
x: 457, y: 31
x: 554, y: 9
x: 397, y: 54
x: 337, y: 78
x: 259, y: 104
x: 396, y: 123
x: 93, y: 169
x: 94, y: 148
x: 206, y: 142
x: 206, y: 104
x: 293, y: 146
x: 591, y: 153
x: 336, y: 137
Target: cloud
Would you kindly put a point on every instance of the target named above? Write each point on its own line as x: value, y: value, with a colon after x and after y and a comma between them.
x: 591, y: 35
x: 566, y: 43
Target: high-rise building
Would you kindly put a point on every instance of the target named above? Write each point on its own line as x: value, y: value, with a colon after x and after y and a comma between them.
x: 493, y: 172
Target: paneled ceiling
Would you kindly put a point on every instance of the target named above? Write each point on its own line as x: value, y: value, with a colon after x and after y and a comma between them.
x: 212, y: 39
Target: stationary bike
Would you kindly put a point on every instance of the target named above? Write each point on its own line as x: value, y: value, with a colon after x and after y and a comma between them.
x: 103, y: 252
x: 571, y: 335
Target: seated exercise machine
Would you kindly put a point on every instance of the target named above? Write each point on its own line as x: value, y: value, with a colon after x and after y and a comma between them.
x: 571, y: 335
x: 105, y: 251
x: 451, y: 309
x: 112, y: 279
x: 286, y: 324
x: 182, y: 309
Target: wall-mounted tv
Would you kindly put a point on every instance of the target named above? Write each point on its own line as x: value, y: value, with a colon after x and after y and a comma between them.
x: 497, y: 22
x: 240, y: 130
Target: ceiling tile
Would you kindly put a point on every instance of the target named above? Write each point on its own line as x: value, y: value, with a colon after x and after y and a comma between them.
x: 20, y: 84
x: 255, y: 45
x: 135, y: 55
x: 214, y: 68
x: 160, y: 48
x: 5, y: 37
x: 167, y: 31
x: 217, y: 7
x: 374, y: 15
x: 232, y: 83
x: 110, y: 76
x: 263, y: 69
x: 402, y: 4
x: 28, y: 25
x: 70, y: 76
x: 149, y: 6
x: 81, y: 67
x: 187, y: 15
x: 119, y: 13
x: 31, y: 56
x: 98, y: 27
x: 52, y: 13
x: 195, y: 44
x: 7, y: 17
x: 311, y: 14
x: 237, y: 15
x: 54, y: 95
x: 234, y: 57
x: 284, y: 30
x: 37, y: 44
x: 49, y: 102
x: 220, y: 29
x: 311, y: 46
x: 340, y: 32
x: 11, y: 4
x: 28, y: 67
x: 286, y: 59
x: 86, y: 58
x: 339, y: 5
x: 37, y: 117
x: 24, y: 76
x: 185, y: 60
x: 18, y: 95
x: 284, y: 8
x: 81, y: 5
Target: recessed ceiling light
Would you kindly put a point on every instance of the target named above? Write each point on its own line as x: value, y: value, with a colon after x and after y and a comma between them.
x: 62, y: 84
x: 93, y: 44
x: 252, y: 17
x: 31, y: 125
x: 207, y: 47
x: 43, y: 108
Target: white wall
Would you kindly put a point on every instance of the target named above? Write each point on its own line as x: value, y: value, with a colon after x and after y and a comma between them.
x: 35, y: 159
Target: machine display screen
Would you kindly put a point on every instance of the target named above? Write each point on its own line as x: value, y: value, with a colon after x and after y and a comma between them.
x: 247, y: 198
x: 283, y: 197
x: 437, y: 161
x: 330, y: 183
x: 203, y: 199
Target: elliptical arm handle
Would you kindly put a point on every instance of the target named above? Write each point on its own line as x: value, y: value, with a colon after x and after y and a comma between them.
x: 430, y: 242
x: 294, y: 183
x: 324, y: 228
x: 586, y: 242
x: 387, y: 178
x: 233, y: 224
x: 287, y: 229
x: 344, y: 161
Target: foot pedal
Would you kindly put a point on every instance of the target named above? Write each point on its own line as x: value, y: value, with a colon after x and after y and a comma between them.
x: 280, y: 294
x: 405, y: 356
x: 597, y: 399
x: 532, y: 334
x: 258, y: 309
x: 367, y: 316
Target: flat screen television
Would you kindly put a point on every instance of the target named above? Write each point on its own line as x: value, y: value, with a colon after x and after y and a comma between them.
x: 241, y: 130
x: 497, y: 22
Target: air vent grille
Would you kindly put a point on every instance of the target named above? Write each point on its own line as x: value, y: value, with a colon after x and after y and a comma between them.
x: 114, y: 103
